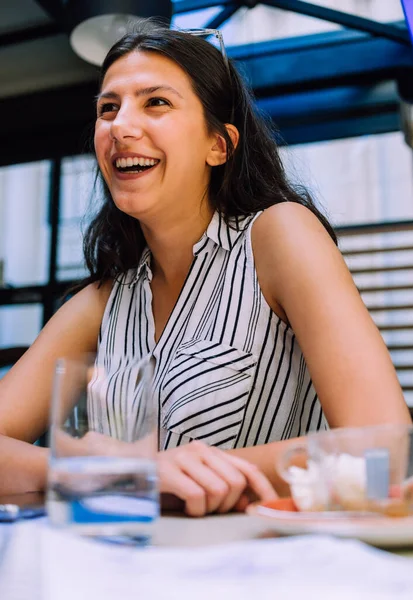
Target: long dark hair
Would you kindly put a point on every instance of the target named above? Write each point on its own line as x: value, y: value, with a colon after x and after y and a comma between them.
x: 253, y: 177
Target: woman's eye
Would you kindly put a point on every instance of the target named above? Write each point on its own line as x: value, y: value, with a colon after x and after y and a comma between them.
x: 153, y: 102
x: 107, y: 107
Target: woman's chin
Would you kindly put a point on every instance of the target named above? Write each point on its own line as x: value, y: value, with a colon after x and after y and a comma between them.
x: 136, y: 206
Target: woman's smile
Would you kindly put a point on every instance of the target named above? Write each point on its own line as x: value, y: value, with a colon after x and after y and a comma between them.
x: 127, y: 166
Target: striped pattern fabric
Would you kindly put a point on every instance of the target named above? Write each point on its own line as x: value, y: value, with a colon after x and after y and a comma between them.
x: 228, y: 371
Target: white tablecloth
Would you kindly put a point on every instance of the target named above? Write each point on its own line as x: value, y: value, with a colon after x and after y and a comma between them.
x: 211, y: 558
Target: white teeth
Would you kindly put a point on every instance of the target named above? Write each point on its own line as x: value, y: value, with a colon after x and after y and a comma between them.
x: 121, y: 163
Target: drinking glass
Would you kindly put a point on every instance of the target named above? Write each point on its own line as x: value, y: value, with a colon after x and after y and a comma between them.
x: 362, y: 469
x: 102, y: 479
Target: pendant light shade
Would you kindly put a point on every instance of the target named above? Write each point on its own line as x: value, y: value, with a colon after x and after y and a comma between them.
x: 96, y: 25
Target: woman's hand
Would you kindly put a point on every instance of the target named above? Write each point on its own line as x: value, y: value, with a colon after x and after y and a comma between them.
x: 210, y: 480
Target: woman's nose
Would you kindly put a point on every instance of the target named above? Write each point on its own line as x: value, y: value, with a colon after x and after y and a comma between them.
x: 127, y: 124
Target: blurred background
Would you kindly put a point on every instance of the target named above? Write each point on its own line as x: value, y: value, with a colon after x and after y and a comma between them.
x: 334, y: 76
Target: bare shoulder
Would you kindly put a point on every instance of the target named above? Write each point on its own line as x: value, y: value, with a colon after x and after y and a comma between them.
x: 84, y: 311
x: 285, y: 221
x: 88, y: 303
x: 93, y: 296
x: 291, y: 245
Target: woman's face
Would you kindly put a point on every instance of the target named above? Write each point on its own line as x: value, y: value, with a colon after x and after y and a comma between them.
x: 151, y: 138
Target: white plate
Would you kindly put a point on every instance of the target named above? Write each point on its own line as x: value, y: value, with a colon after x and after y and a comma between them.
x: 386, y: 532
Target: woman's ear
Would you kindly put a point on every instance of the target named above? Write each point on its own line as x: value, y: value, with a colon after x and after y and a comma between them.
x: 218, y: 153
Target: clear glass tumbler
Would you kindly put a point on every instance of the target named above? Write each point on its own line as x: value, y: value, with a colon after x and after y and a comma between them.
x: 361, y: 469
x: 102, y: 479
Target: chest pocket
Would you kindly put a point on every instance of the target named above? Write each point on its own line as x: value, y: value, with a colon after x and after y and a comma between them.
x: 205, y: 392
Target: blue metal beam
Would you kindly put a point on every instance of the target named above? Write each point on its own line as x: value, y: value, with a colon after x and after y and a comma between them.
x: 386, y: 30
x: 183, y: 6
x: 391, y: 32
x: 326, y: 105
x: 340, y: 129
x: 336, y: 58
x: 334, y: 113
x: 223, y: 16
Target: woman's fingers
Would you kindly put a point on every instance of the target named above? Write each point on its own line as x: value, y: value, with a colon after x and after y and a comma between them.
x: 234, y: 479
x: 257, y: 481
x: 174, y: 481
x: 180, y: 466
x: 243, y: 479
x: 242, y: 503
x: 198, y: 468
x: 208, y: 479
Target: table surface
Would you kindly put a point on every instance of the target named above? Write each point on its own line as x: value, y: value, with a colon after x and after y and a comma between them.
x: 178, y: 530
x: 21, y: 551
x: 219, y: 529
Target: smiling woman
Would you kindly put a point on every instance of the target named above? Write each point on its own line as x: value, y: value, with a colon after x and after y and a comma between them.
x: 205, y: 257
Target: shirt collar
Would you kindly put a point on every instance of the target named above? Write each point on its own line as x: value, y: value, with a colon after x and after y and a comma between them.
x: 222, y: 233
x: 143, y: 268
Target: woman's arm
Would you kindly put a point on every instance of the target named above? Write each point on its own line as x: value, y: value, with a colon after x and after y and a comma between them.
x: 23, y: 467
x: 307, y: 283
x: 205, y: 479
x: 26, y: 389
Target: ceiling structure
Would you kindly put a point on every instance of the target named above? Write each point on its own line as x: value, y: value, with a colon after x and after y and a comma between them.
x: 321, y: 86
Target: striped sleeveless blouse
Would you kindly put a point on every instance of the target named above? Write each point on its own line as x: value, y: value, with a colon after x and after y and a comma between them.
x: 228, y: 370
